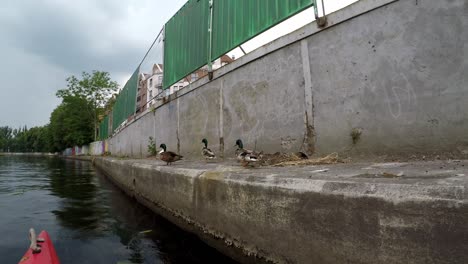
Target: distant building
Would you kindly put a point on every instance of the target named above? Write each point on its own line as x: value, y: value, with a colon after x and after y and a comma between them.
x: 142, y: 93
x: 198, y: 74
x: 154, y: 81
x: 177, y: 86
x: 224, y: 60
x: 155, y: 85
x: 202, y: 72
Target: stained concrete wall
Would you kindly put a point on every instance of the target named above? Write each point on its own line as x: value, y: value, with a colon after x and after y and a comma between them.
x: 97, y: 148
x: 393, y: 70
x: 346, y: 214
x: 399, y: 74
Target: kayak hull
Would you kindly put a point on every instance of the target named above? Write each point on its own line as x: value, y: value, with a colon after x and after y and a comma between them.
x: 47, y: 254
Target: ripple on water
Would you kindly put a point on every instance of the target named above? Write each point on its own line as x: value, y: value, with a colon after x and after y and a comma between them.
x: 89, y: 219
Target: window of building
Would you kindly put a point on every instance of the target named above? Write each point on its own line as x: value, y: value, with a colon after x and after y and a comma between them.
x: 151, y: 82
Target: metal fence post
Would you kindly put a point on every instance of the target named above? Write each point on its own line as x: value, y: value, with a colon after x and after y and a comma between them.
x: 210, y: 41
x: 321, y: 21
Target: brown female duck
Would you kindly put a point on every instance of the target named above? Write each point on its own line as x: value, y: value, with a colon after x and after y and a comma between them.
x: 168, y: 156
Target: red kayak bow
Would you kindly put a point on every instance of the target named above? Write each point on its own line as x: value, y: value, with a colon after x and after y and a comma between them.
x: 41, y: 251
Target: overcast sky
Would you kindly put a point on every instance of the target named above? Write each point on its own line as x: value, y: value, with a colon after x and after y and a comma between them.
x: 45, y: 41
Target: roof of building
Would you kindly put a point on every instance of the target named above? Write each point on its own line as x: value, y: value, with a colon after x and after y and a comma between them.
x: 226, y: 59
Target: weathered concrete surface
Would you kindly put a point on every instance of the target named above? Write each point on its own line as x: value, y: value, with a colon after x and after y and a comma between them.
x: 398, y: 74
x: 394, y: 71
x: 345, y: 213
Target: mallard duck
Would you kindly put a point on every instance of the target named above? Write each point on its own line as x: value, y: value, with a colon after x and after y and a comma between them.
x: 168, y: 156
x: 206, y: 152
x: 301, y: 155
x: 244, y: 155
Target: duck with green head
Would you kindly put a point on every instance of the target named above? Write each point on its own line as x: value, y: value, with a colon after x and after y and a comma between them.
x: 168, y: 156
x: 244, y: 155
x: 206, y: 152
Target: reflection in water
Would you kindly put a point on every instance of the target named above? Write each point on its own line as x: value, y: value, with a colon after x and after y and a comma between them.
x: 84, y: 208
x: 89, y: 219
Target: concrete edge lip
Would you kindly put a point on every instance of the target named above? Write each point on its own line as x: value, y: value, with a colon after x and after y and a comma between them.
x: 293, y: 219
x: 161, y: 167
x: 392, y: 190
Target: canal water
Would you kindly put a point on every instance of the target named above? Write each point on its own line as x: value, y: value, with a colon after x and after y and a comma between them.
x: 88, y: 218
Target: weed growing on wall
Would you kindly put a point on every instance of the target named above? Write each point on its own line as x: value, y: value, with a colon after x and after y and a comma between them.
x: 152, y: 147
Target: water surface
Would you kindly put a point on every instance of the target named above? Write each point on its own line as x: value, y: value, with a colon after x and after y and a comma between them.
x: 88, y: 218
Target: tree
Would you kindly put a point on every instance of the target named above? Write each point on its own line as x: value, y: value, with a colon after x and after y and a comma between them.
x: 96, y: 88
x: 6, y: 134
x: 37, y: 139
x: 34, y: 139
x: 68, y: 126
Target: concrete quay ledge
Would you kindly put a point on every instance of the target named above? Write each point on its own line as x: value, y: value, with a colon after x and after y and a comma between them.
x: 414, y: 212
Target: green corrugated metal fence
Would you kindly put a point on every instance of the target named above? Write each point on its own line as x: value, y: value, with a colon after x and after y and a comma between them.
x: 189, y: 44
x: 104, y: 128
x: 186, y: 41
x: 118, y: 110
x: 237, y: 21
x: 125, y: 103
x: 132, y: 89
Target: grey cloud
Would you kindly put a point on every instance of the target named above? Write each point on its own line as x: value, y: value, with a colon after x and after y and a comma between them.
x: 43, y: 42
x: 68, y: 41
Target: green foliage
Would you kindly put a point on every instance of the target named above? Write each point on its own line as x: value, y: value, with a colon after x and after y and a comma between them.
x: 72, y: 123
x: 68, y: 126
x: 110, y: 103
x: 23, y: 139
x: 152, y: 150
x: 96, y: 88
x: 6, y: 134
x: 356, y: 135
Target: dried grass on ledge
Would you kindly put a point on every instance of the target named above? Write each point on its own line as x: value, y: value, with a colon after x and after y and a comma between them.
x: 333, y: 158
x: 276, y: 158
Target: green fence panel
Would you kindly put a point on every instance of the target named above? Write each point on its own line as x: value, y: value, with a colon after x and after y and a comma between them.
x: 237, y: 21
x: 118, y: 109
x: 104, y: 128
x: 118, y: 112
x: 186, y: 41
x: 132, y: 89
x: 125, y: 103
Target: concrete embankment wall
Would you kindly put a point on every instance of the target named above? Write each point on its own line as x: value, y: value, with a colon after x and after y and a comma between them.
x: 96, y: 148
x: 293, y: 215
x: 391, y: 73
